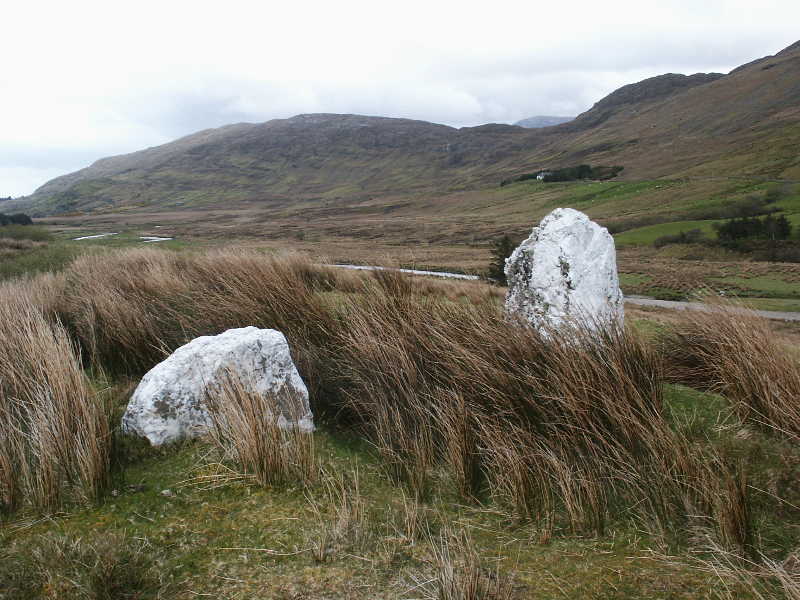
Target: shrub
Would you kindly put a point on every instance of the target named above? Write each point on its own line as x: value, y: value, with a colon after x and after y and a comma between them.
x: 769, y: 227
x: 25, y: 232
x: 693, y: 236
x: 15, y: 219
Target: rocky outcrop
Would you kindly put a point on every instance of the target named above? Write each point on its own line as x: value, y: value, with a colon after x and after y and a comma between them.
x: 565, y: 272
x: 169, y: 403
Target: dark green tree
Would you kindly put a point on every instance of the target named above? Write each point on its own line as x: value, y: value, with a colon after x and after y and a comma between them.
x: 501, y: 250
x: 783, y: 228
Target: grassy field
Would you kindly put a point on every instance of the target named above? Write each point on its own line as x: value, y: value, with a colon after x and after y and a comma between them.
x: 456, y: 455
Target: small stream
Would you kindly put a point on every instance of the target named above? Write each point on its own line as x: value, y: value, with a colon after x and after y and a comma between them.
x: 410, y: 271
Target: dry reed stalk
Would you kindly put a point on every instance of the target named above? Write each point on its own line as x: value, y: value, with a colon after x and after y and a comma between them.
x: 458, y: 424
x: 761, y: 577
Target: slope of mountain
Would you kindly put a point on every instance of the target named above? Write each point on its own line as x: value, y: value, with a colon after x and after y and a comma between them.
x: 637, y: 94
x: 542, y: 121
x: 746, y: 123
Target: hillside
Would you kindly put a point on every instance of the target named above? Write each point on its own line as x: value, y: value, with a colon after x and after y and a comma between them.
x: 744, y: 124
x: 305, y: 156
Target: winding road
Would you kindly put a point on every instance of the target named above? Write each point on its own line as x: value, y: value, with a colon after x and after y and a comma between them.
x: 676, y: 305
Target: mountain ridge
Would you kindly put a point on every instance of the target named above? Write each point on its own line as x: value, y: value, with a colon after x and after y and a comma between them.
x: 743, y: 123
x: 539, y: 121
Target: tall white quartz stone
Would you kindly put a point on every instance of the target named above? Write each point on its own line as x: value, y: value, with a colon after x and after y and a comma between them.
x: 565, y: 272
x: 169, y: 403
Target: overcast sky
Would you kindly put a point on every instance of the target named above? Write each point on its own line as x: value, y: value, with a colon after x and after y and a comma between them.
x: 85, y: 79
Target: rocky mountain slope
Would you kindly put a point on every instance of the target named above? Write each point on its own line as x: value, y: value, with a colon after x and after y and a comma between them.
x: 745, y: 123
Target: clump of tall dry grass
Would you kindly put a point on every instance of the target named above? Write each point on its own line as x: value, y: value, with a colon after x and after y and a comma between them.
x: 545, y: 422
x: 54, y: 434
x: 733, y: 352
x: 130, y: 309
x: 245, y: 427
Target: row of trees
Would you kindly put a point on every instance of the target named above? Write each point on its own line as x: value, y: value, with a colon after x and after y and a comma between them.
x: 743, y: 228
x: 15, y: 219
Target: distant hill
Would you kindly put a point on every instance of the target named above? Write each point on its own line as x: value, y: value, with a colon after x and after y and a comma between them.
x: 746, y: 123
x: 542, y: 121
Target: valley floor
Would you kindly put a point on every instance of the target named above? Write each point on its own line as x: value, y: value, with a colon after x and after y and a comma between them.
x: 455, y: 231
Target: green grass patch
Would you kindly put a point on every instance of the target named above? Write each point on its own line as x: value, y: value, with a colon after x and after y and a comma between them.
x: 696, y: 413
x: 52, y: 256
x: 643, y: 236
x: 241, y: 541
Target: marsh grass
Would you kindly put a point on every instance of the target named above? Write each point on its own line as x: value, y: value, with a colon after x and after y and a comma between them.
x: 758, y: 577
x: 341, y: 516
x: 54, y: 431
x: 444, y: 387
x: 733, y: 352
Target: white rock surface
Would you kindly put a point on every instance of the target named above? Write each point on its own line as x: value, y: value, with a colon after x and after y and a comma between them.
x: 566, y: 271
x: 169, y: 404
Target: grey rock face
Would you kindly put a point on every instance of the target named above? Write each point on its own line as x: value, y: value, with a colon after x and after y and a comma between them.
x: 566, y: 271
x: 169, y: 404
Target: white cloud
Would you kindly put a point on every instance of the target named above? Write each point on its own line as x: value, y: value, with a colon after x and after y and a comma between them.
x: 18, y: 181
x: 90, y: 78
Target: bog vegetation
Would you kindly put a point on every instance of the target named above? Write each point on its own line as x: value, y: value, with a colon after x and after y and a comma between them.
x: 439, y: 421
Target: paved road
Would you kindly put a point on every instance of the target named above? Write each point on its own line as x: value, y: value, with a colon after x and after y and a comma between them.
x: 769, y: 314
